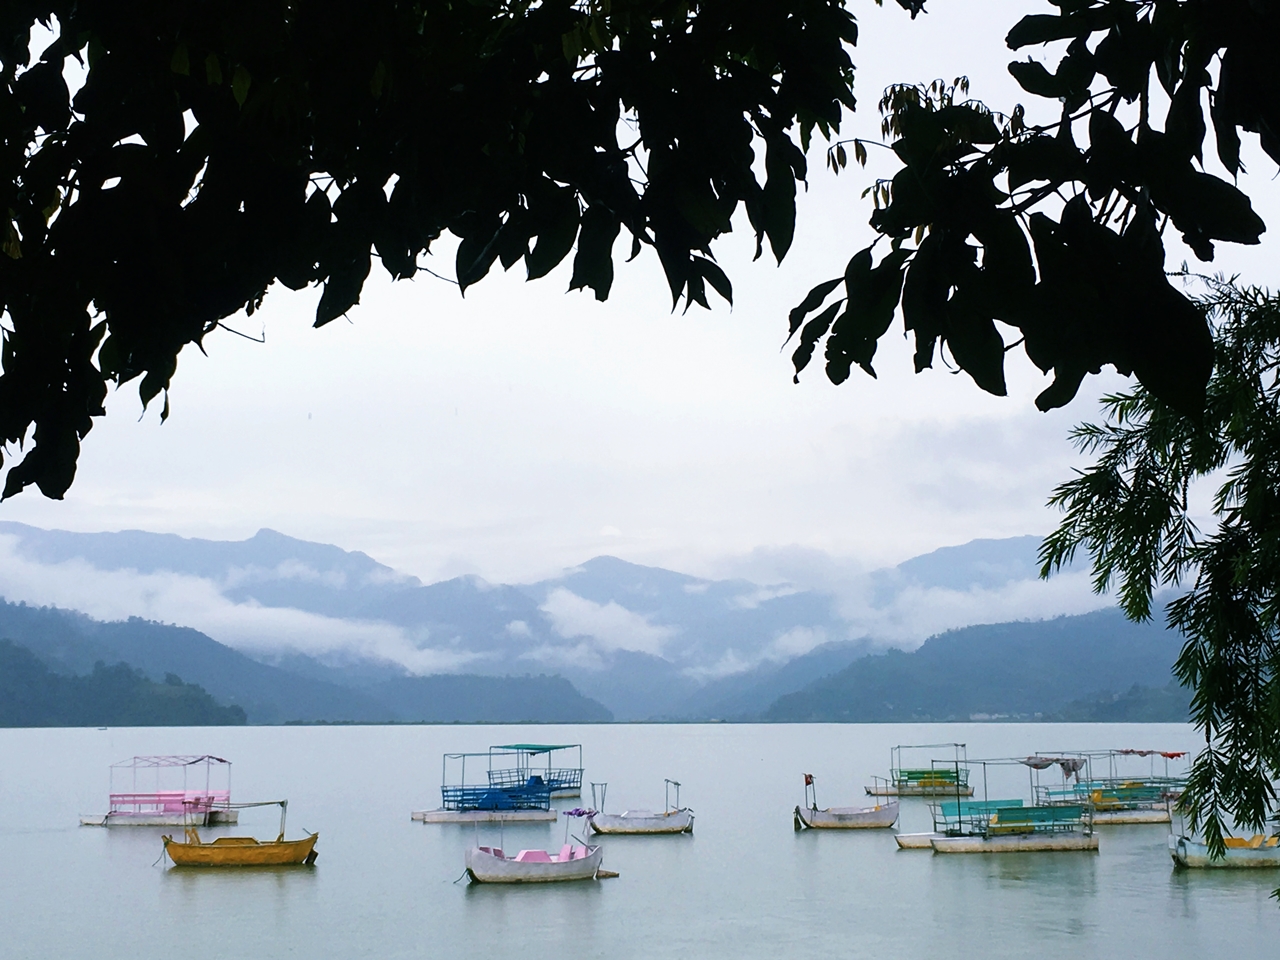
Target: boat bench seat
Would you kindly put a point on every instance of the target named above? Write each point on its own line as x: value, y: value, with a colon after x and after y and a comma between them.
x: 533, y: 856
x: 1253, y: 843
x: 1032, y: 819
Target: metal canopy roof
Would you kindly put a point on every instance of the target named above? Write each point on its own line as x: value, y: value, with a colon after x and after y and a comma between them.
x: 535, y: 747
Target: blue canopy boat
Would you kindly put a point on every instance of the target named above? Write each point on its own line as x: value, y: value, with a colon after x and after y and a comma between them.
x: 503, y: 796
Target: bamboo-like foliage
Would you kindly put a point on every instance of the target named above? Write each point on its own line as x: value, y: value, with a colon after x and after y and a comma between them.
x: 1130, y: 512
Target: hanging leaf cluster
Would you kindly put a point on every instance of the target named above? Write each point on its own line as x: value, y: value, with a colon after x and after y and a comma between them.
x: 1129, y: 512
x: 216, y: 149
x: 1054, y: 233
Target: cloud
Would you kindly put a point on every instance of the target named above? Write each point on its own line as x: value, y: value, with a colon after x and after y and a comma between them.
x: 518, y: 628
x: 749, y: 601
x: 915, y: 613
x: 286, y: 570
x: 197, y: 602
x: 610, y: 625
x: 796, y: 642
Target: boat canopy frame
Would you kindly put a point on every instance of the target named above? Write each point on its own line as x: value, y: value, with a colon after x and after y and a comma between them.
x: 1117, y: 789
x: 941, y: 774
x: 563, y: 779
x: 989, y: 818
x: 169, y: 796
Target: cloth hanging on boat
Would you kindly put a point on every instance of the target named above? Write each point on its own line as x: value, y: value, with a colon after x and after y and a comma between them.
x: 808, y: 779
x: 1071, y: 766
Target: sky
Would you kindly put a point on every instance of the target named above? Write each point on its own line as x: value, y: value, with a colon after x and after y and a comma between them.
x: 521, y: 429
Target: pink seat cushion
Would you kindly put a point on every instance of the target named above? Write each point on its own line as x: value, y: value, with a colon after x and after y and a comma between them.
x: 566, y: 854
x: 579, y: 853
x: 533, y: 856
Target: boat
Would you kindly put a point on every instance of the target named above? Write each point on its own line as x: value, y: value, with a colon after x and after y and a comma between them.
x: 1007, y: 826
x: 242, y: 851
x: 674, y: 818
x: 1258, y: 852
x: 879, y: 817
x: 1118, y: 792
x: 574, y: 862
x: 167, y: 791
x: 500, y: 798
x: 941, y: 778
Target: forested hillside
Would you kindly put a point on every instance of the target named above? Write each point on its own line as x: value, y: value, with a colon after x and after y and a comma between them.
x: 1024, y: 670
x: 31, y: 695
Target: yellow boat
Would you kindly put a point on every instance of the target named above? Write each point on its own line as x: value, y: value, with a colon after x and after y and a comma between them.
x: 240, y: 851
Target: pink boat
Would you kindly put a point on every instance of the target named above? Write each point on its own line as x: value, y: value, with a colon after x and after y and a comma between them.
x: 168, y: 791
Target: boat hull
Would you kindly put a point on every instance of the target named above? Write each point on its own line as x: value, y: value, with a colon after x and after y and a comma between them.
x: 1103, y: 818
x: 211, y: 819
x: 1188, y: 853
x: 483, y: 867
x: 1024, y: 843
x: 918, y: 791
x: 675, y: 822
x: 242, y: 852
x: 484, y: 816
x: 880, y: 817
x: 916, y: 841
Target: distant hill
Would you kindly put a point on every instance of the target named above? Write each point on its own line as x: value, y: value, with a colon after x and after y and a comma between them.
x: 31, y: 695
x: 1007, y: 670
x: 1138, y: 704
x: 70, y: 644
x: 645, y: 641
x: 744, y: 696
x: 462, y: 698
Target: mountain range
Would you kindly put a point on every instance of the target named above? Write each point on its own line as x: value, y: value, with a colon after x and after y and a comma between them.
x: 293, y: 630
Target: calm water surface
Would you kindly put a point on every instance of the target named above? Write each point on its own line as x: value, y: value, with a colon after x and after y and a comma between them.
x: 744, y: 886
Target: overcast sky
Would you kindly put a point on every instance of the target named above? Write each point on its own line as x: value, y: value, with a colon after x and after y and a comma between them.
x: 522, y: 430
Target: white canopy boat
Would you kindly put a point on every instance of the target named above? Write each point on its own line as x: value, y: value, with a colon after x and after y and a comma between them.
x: 674, y: 819
x: 1257, y: 852
x: 574, y: 862
x: 880, y: 817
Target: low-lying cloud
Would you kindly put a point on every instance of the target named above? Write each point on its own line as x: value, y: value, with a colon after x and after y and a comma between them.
x: 198, y: 602
x: 611, y: 625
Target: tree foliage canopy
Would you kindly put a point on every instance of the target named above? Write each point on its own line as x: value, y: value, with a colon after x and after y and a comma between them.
x: 1130, y: 512
x: 991, y: 219
x: 215, y: 149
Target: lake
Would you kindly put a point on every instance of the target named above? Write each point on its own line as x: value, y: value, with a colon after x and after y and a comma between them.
x: 744, y: 886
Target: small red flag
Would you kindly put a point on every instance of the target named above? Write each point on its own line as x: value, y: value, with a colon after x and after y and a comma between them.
x: 808, y: 779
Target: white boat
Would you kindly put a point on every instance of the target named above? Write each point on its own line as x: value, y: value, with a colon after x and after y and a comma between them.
x: 674, y: 818
x: 1259, y: 852
x: 880, y: 817
x: 574, y: 862
x: 642, y: 821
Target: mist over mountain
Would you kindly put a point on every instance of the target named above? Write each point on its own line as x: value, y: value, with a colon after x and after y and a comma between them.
x: 644, y: 641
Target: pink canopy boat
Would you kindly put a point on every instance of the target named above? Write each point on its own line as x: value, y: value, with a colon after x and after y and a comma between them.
x: 168, y: 791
